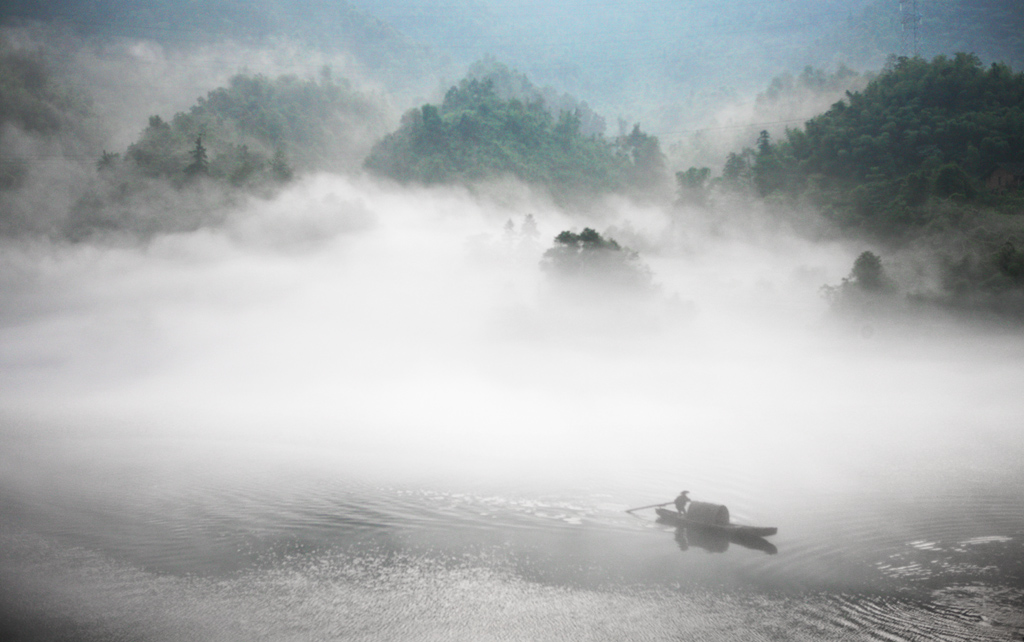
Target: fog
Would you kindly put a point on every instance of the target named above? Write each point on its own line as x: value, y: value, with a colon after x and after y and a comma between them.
x: 410, y: 324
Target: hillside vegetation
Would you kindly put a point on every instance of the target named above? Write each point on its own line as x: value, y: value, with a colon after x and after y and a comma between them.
x: 250, y: 136
x: 920, y: 131
x: 318, y: 124
x: 476, y: 134
x: 905, y: 162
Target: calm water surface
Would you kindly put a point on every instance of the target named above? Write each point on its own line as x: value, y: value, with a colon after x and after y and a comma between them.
x: 141, y: 538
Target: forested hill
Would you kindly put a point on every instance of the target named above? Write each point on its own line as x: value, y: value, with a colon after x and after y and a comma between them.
x: 251, y: 135
x: 318, y: 124
x: 476, y: 134
x: 928, y: 160
x: 920, y: 130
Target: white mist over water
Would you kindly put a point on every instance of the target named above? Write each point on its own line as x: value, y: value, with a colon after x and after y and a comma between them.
x: 410, y: 324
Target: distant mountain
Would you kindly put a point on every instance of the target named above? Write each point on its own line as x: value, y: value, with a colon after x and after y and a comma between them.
x: 624, y: 52
x: 673, y: 65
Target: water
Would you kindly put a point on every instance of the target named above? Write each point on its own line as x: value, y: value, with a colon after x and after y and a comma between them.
x: 397, y: 432
x: 170, y: 539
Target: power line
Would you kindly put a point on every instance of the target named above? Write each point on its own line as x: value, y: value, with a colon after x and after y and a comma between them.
x: 728, y: 127
x: 57, y: 157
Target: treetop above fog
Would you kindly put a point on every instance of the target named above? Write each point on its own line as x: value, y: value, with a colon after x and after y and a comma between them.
x: 587, y: 261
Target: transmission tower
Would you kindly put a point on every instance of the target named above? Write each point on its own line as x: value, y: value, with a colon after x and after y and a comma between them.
x: 910, y: 20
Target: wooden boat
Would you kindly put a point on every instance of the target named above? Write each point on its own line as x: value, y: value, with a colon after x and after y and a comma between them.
x: 710, y: 517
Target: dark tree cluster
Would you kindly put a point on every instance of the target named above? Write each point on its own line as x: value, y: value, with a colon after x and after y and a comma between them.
x: 693, y: 186
x: 586, y: 260
x: 866, y: 286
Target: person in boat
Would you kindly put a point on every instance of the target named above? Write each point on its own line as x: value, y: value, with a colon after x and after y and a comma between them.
x: 682, y: 501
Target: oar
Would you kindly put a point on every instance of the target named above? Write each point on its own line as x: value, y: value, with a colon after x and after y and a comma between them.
x: 630, y: 510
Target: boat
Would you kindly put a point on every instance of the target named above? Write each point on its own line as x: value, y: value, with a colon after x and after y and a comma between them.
x: 712, y: 517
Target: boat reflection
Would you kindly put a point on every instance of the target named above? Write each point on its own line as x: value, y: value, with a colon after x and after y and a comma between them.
x: 715, y: 540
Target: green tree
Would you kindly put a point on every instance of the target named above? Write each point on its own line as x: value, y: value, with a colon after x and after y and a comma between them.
x: 692, y: 185
x: 644, y: 153
x: 915, y: 188
x: 157, y: 153
x: 200, y: 165
x: 529, y: 229
x: 867, y: 273
x: 952, y: 180
x: 280, y: 167
x: 107, y: 160
x: 247, y: 166
x: 769, y: 170
x: 1010, y: 262
x: 736, y: 174
x: 587, y: 259
x: 866, y: 284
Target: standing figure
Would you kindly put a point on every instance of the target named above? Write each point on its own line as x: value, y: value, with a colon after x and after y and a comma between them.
x: 682, y: 501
